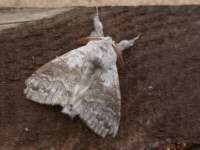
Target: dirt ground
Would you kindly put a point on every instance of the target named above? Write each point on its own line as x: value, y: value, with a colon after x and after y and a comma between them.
x: 160, y: 85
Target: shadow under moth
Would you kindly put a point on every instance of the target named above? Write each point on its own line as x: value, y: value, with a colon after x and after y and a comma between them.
x: 84, y: 81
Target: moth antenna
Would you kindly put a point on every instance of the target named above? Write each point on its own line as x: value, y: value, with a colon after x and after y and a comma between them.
x: 97, y: 11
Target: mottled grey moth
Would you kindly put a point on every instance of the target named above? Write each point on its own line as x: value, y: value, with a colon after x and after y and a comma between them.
x: 84, y: 81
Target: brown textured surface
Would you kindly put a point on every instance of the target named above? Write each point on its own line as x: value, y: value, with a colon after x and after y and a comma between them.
x: 160, y: 86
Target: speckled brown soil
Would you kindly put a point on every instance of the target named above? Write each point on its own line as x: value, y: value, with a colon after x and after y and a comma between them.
x: 160, y: 86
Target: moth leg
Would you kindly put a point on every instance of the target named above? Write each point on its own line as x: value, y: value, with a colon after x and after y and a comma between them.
x: 121, y: 46
x: 98, y: 27
x: 120, y: 58
x: 125, y: 44
x: 97, y: 33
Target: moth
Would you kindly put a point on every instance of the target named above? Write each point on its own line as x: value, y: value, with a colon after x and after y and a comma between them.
x: 84, y: 81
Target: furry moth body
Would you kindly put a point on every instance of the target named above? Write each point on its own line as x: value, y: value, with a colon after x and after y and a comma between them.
x: 84, y: 82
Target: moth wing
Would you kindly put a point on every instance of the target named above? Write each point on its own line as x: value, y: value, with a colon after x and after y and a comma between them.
x: 102, y: 103
x: 53, y: 82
